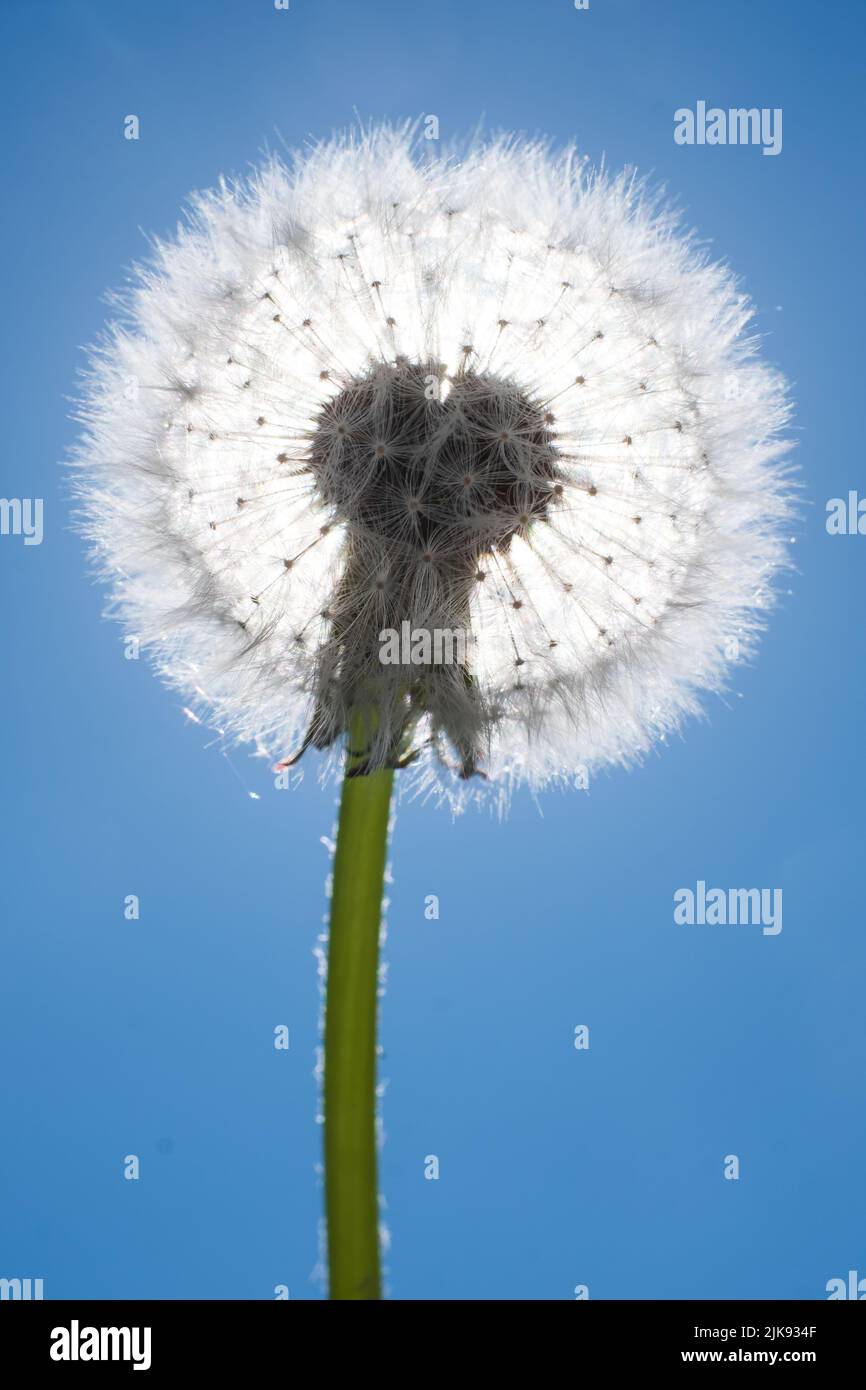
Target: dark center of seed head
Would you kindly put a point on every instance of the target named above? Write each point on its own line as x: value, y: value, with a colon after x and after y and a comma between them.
x: 453, y: 478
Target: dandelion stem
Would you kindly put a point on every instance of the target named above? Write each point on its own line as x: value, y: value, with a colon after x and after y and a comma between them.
x: 351, y: 1192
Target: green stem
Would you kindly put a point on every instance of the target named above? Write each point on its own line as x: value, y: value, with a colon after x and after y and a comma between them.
x: 351, y: 1191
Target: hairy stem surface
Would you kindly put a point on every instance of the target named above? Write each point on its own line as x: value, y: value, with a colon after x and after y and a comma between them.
x: 351, y: 1192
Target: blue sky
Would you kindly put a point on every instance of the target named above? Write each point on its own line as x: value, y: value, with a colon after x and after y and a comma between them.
x: 558, y: 1167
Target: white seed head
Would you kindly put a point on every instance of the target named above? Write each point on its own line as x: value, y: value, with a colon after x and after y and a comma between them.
x: 489, y: 392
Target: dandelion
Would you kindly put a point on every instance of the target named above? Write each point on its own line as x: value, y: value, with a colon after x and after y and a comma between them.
x: 495, y: 393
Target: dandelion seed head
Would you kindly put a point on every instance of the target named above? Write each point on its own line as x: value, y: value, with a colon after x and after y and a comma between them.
x: 488, y: 392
